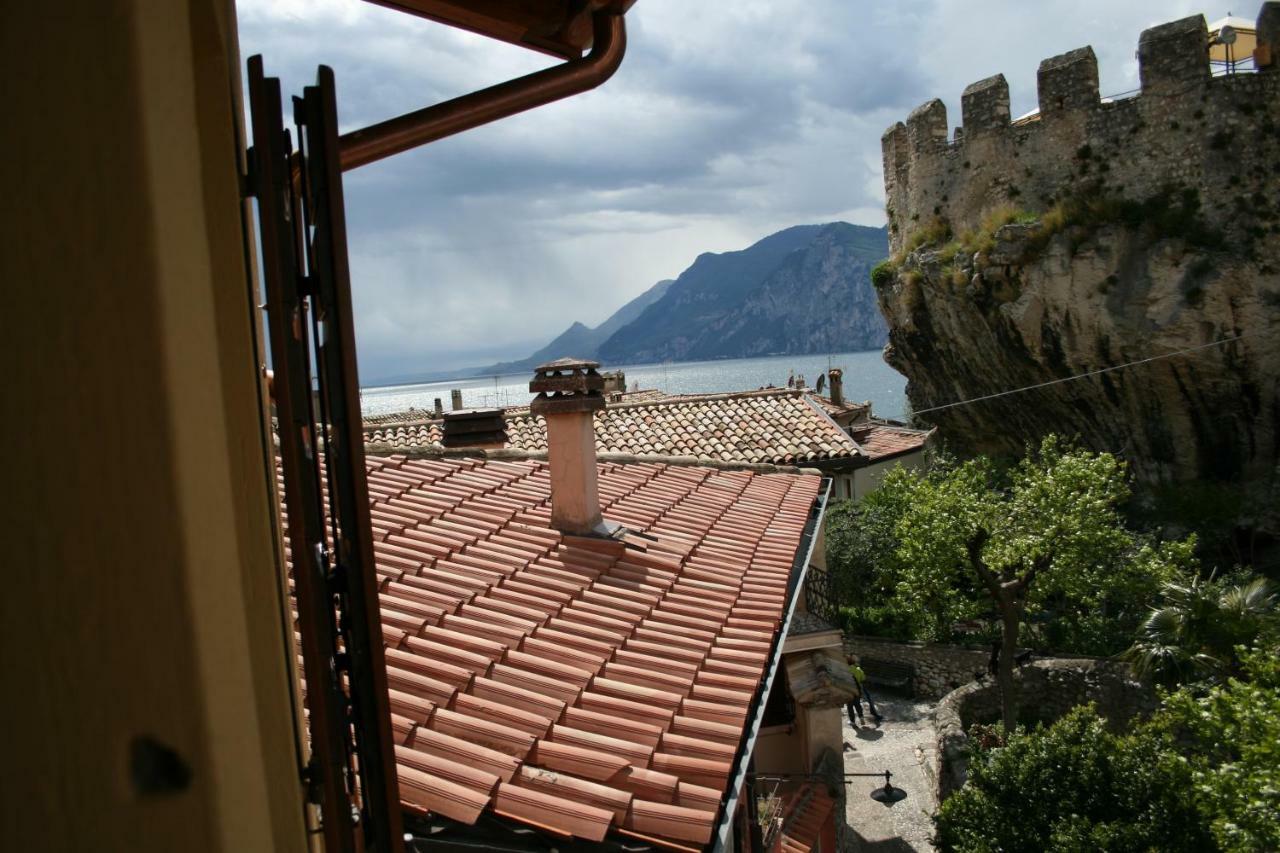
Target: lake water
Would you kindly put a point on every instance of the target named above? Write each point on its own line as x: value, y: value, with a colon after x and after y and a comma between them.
x: 866, y: 377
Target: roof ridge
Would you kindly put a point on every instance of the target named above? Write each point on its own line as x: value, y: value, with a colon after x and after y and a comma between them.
x: 675, y: 399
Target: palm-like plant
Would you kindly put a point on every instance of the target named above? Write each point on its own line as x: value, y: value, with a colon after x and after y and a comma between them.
x: 1194, y: 635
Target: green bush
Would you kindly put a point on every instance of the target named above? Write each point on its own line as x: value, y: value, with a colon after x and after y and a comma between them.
x: 1071, y: 787
x: 883, y: 273
x: 1229, y: 741
x: 1202, y: 775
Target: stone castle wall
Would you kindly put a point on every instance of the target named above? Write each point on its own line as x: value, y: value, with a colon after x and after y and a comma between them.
x: 1216, y: 135
x: 1151, y: 281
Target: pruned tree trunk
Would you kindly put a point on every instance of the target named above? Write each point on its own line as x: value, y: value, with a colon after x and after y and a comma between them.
x: 1009, y: 621
x: 1008, y: 590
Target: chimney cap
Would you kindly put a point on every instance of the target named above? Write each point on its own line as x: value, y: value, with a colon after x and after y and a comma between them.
x: 567, y: 385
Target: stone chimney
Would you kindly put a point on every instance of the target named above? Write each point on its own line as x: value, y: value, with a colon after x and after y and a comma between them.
x: 455, y: 399
x: 835, y: 377
x: 569, y: 394
x: 614, y: 382
x: 439, y: 407
x: 474, y: 428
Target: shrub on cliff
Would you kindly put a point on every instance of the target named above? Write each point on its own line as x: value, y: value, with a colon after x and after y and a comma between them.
x: 882, y: 274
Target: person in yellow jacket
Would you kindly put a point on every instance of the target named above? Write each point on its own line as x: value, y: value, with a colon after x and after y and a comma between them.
x: 855, y: 706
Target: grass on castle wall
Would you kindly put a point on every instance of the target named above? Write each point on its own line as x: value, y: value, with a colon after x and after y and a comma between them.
x: 1172, y: 213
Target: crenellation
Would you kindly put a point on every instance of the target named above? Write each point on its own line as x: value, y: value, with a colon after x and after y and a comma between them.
x: 1173, y: 57
x: 1184, y: 129
x: 927, y: 128
x: 894, y: 147
x: 984, y: 106
x: 1152, y: 220
x: 1267, y: 53
x: 1068, y: 82
x: 896, y: 154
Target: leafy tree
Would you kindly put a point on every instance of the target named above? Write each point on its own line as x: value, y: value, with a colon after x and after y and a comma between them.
x: 964, y: 540
x: 1193, y: 636
x: 1202, y: 775
x: 1229, y: 742
x: 863, y: 560
x: 1074, y: 786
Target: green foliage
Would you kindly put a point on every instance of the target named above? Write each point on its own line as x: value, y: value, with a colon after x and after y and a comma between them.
x: 1229, y: 742
x: 983, y: 238
x: 1194, y: 634
x: 862, y: 556
x: 934, y: 232
x: 901, y: 553
x: 1202, y: 775
x: 1073, y: 786
x: 882, y: 274
x: 1173, y: 212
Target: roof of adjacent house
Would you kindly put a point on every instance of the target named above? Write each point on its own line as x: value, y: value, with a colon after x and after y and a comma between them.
x: 407, y: 416
x: 882, y: 440
x: 805, y: 814
x: 777, y: 426
x: 579, y: 686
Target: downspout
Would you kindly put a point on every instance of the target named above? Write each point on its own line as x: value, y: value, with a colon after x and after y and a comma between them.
x: 393, y: 136
x: 755, y: 717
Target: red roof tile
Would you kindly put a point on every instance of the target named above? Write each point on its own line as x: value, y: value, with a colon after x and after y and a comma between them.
x: 807, y: 811
x: 779, y: 426
x: 880, y: 441
x: 579, y: 690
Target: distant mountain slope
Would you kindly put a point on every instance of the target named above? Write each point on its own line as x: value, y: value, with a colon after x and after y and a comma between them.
x: 806, y: 289
x: 580, y: 341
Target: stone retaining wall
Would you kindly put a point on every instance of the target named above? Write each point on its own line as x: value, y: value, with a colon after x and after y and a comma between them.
x: 1047, y: 690
x: 938, y: 668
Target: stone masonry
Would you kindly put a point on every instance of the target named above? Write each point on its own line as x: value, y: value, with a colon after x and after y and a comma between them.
x: 1185, y: 126
x: 1154, y: 286
x: 937, y: 668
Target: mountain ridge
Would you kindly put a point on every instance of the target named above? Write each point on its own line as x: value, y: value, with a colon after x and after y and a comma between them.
x: 580, y: 340
x: 761, y: 300
x: 803, y: 290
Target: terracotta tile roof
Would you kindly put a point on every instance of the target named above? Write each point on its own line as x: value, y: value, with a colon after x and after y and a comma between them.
x: 644, y: 395
x: 407, y: 416
x: 777, y: 427
x: 808, y: 811
x: 880, y: 440
x: 579, y: 686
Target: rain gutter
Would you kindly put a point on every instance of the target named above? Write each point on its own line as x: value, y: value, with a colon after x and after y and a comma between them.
x: 393, y: 136
x: 720, y: 841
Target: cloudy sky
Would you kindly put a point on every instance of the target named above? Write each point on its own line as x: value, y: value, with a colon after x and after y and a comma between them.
x: 726, y: 122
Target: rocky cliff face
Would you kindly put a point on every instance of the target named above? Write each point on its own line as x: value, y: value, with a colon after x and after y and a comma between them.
x: 1093, y: 234
x: 1026, y: 314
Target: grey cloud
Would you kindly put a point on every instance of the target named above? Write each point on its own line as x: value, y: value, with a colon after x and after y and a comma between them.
x: 725, y: 122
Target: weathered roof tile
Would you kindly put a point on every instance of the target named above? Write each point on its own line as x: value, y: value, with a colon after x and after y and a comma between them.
x: 574, y: 689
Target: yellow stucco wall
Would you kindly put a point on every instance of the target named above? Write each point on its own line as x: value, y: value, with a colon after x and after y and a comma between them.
x: 143, y: 595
